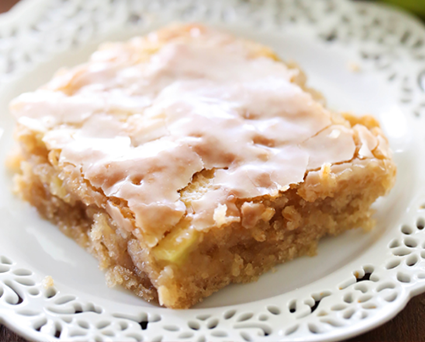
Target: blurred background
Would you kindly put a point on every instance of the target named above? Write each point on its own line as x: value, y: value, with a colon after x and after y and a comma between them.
x: 409, y: 324
x: 415, y: 6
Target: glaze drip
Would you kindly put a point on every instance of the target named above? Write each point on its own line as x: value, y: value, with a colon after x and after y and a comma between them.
x: 141, y: 126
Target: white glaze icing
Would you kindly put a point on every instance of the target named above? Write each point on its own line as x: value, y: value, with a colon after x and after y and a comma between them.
x: 140, y: 130
x: 332, y: 145
x: 368, y: 141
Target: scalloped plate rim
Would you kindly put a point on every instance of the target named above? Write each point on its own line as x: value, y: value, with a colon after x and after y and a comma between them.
x: 350, y: 331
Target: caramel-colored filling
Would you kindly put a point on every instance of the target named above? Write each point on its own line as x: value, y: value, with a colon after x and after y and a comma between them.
x: 187, y: 160
x: 141, y: 128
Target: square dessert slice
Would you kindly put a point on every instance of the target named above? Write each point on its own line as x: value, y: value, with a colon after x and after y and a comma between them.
x: 188, y: 159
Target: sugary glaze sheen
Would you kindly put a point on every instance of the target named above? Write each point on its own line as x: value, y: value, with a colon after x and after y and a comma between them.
x: 188, y: 159
x: 140, y: 130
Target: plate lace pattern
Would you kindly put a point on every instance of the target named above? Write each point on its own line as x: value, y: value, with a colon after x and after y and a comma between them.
x: 384, y: 42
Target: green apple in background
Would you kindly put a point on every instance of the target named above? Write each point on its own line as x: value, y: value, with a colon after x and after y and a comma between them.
x: 416, y: 6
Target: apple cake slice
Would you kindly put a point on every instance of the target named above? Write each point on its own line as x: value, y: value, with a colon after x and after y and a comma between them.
x: 188, y: 159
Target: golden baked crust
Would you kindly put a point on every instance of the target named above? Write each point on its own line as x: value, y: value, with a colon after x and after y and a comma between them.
x: 182, y: 263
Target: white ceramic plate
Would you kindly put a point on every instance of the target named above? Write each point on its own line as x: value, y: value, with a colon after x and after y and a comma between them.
x: 356, y: 282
